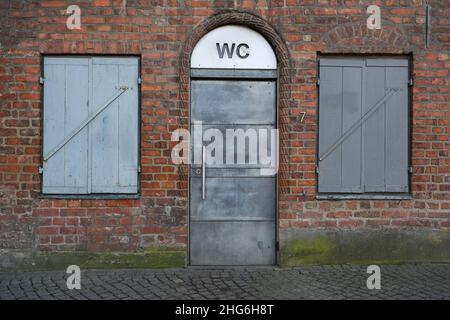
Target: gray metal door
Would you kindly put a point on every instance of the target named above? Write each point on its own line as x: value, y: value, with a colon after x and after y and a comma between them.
x: 232, y: 204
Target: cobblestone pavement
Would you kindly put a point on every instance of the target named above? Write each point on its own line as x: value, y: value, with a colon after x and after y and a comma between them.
x: 422, y: 281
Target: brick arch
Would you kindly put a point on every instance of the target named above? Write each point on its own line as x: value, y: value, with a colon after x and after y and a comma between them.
x: 284, y: 76
x: 357, y: 38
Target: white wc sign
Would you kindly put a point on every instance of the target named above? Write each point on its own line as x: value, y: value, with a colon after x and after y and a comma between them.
x: 242, y: 50
x: 233, y: 47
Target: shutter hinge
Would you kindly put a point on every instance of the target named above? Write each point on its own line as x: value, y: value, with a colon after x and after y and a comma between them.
x: 41, y: 170
x: 139, y: 80
x: 317, y: 169
x: 318, y: 82
x: 410, y: 82
x: 139, y: 169
x: 41, y: 80
x: 410, y: 169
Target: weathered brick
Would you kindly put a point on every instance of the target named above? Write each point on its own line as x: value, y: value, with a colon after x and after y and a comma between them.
x: 164, y: 38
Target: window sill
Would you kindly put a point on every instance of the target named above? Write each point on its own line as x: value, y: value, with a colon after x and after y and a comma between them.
x: 89, y: 196
x: 400, y: 196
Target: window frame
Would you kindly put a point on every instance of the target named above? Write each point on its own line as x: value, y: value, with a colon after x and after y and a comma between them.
x: 366, y: 195
x: 90, y: 196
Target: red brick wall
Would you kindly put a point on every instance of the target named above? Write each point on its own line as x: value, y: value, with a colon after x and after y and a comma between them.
x: 161, y: 32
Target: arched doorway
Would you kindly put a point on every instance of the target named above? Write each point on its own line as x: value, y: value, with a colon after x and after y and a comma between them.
x: 234, y: 149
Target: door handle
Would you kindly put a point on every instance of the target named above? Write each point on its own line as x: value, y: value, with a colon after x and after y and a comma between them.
x: 203, y: 172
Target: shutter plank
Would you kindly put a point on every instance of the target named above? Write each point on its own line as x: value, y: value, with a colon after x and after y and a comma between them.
x: 65, y: 105
x: 340, y: 108
x: 54, y: 114
x: 330, y: 128
x: 351, y: 147
x: 104, y: 130
x: 128, y: 129
x: 76, y: 150
x: 115, y: 130
x: 397, y: 131
x: 374, y: 131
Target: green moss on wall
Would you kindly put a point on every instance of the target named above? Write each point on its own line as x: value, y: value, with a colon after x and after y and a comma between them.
x: 151, y: 258
x: 304, y: 251
x: 315, y: 247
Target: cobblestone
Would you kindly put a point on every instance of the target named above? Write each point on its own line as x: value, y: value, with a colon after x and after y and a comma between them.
x: 422, y: 281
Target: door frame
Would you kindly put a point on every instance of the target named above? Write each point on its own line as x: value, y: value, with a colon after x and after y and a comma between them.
x: 235, y: 74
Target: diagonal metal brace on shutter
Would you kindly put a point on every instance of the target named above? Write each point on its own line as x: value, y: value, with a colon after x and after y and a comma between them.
x: 86, y: 122
x: 371, y: 111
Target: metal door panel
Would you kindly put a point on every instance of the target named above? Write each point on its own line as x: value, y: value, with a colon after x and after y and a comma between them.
x: 239, y: 198
x: 232, y: 243
x: 233, y: 172
x: 233, y: 102
x: 249, y: 133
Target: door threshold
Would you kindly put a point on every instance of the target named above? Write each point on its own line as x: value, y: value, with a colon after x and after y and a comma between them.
x: 238, y: 267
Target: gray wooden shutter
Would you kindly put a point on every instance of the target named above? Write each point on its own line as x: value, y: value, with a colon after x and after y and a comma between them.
x: 66, y: 96
x: 114, y: 139
x: 340, y: 103
x: 386, y: 131
x: 374, y: 157
x: 102, y: 157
